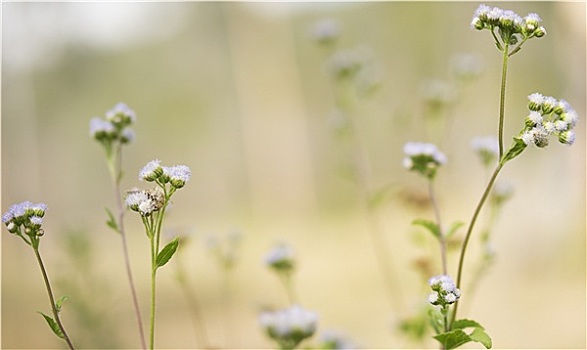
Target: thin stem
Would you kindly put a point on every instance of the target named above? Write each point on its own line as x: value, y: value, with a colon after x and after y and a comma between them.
x: 52, y: 299
x: 115, y: 174
x: 442, y: 239
x: 153, y: 296
x: 502, y: 97
x: 470, y: 230
x: 289, y: 290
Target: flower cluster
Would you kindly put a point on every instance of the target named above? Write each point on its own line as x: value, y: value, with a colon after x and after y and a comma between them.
x: 145, y: 202
x: 423, y: 158
x: 444, y: 291
x: 289, y: 326
x: 25, y: 218
x: 510, y: 25
x: 116, y: 125
x: 176, y: 175
x: 548, y: 116
x: 281, y: 258
x: 487, y: 148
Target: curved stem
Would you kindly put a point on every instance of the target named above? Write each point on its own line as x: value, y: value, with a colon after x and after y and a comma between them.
x: 115, y: 174
x: 442, y: 239
x: 52, y: 300
x: 470, y: 230
x: 502, y: 97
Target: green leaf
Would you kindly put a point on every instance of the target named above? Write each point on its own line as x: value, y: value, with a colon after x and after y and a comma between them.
x: 431, y: 226
x: 515, y: 150
x: 480, y: 336
x: 53, y: 325
x: 453, y: 339
x: 465, y: 323
x: 60, y: 301
x: 112, y: 221
x: 167, y: 252
x: 453, y: 228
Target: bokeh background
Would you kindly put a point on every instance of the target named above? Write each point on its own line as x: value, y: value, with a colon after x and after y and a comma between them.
x: 242, y: 94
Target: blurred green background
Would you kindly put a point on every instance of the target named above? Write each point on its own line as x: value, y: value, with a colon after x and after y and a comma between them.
x: 240, y: 92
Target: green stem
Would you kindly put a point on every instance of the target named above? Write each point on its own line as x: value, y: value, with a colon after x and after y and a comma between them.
x: 470, y: 230
x: 115, y: 174
x: 442, y: 239
x: 153, y: 296
x: 502, y: 97
x: 52, y: 299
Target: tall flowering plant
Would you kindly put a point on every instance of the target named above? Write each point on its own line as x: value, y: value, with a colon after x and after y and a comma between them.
x: 547, y: 117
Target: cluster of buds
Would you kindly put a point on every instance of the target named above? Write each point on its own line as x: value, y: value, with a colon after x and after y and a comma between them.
x: 176, y: 175
x: 145, y: 202
x: 509, y: 24
x: 486, y: 147
x: 281, y: 258
x: 290, y: 326
x: 548, y: 116
x: 444, y: 291
x: 25, y: 218
x: 423, y: 158
x: 115, y: 126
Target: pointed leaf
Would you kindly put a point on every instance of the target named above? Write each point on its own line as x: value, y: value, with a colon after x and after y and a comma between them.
x: 515, y: 150
x: 480, y: 336
x: 112, y: 221
x: 59, y: 302
x: 53, y: 325
x: 465, y: 323
x: 431, y: 226
x: 167, y: 252
x: 453, y: 339
x: 453, y: 228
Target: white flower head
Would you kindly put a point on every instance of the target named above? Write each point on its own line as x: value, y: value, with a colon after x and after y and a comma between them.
x: 423, y: 158
x: 281, y: 258
x: 567, y: 137
x: 151, y: 171
x: 326, y: 31
x: 293, y: 323
x: 532, y: 20
x: 486, y: 146
x: 536, y: 101
x: 445, y: 289
x: 100, y: 128
x: 177, y: 175
x: 121, y: 113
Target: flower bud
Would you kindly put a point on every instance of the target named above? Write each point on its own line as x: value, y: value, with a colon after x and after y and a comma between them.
x: 567, y: 137
x: 540, y: 32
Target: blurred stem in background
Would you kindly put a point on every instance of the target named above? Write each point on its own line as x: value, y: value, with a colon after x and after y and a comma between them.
x: 349, y: 82
x: 190, y: 295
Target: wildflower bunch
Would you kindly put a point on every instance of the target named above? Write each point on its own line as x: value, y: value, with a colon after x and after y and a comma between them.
x: 25, y: 220
x: 444, y: 291
x: 151, y: 205
x: 115, y: 127
x: 288, y: 327
x: 548, y: 116
x: 423, y: 158
x: 511, y: 27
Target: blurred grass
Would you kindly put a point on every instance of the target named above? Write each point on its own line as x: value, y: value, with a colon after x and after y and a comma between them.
x: 240, y: 94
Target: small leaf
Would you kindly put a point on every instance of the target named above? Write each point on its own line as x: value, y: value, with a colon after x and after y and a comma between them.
x: 515, y: 150
x: 167, y: 252
x: 453, y: 339
x: 465, y: 323
x: 480, y: 336
x: 53, y: 325
x: 112, y: 221
x: 453, y: 228
x: 60, y: 301
x: 431, y: 226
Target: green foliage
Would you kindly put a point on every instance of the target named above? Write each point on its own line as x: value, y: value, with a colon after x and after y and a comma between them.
x: 59, y: 302
x: 453, y: 228
x: 112, y: 221
x: 53, y: 325
x: 431, y: 226
x: 458, y: 337
x: 515, y: 150
x: 167, y: 252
